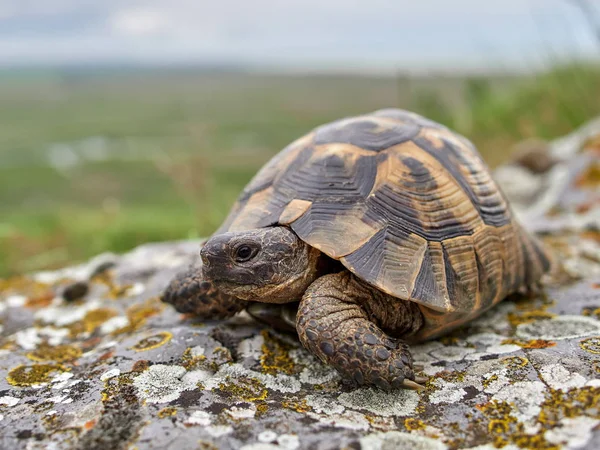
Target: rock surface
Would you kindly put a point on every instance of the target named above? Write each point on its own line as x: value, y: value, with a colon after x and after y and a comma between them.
x: 91, y: 359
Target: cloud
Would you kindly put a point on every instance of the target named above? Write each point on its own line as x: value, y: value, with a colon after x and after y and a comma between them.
x: 391, y: 33
x: 139, y: 22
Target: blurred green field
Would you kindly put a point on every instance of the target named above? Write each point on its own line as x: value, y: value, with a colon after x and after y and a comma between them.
x: 105, y: 160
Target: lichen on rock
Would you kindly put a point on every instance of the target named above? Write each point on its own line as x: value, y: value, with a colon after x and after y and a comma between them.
x: 113, y: 367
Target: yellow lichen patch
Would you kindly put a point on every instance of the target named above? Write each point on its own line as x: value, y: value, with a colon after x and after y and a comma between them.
x: 596, y: 366
x: 501, y: 424
x: 575, y: 402
x: 591, y: 312
x: 169, y: 411
x: 449, y: 340
x: 528, y: 317
x: 590, y: 178
x: 51, y: 421
x: 244, y: 389
x: 205, y: 445
x: 275, y: 356
x: 261, y: 408
x: 92, y: 320
x: 591, y: 345
x: 114, y: 290
x: 23, y: 286
x: 487, y: 382
x: 504, y: 429
x: 114, y: 385
x: 151, y: 342
x: 40, y: 301
x: 413, y: 424
x: 140, y: 366
x: 515, y: 362
x: 298, y: 406
x: 535, y: 343
x: 139, y: 313
x: 8, y: 345
x: 452, y: 376
x: 497, y: 426
x: 58, y: 353
x: 533, y: 441
x: 35, y: 374
x: 222, y: 353
x: 189, y: 361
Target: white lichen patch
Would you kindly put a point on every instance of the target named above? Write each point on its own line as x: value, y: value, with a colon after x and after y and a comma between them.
x: 162, y: 383
x: 110, y: 374
x: 15, y: 301
x: 322, y: 404
x: 280, y: 382
x: 318, y: 374
x: 288, y: 441
x: 495, y: 380
x: 54, y: 336
x: 201, y: 418
x: 502, y: 349
x: 496, y: 349
x: 219, y: 430
x: 79, y: 272
x: 195, y: 377
x: 241, y: 413
x: 573, y: 432
x: 525, y: 396
x: 62, y: 315
x: 197, y: 351
x: 7, y: 400
x: 266, y: 436
x: 557, y: 377
x: 493, y: 447
x: 136, y: 289
x: 61, y: 380
x: 61, y: 399
x: 561, y: 327
x: 452, y: 353
x: 260, y: 446
x: 28, y: 339
x: 31, y: 338
x: 401, y: 402
x: 447, y: 392
x: 349, y: 420
x: 113, y: 324
x: 485, y: 339
x: 421, y: 352
x: 400, y: 441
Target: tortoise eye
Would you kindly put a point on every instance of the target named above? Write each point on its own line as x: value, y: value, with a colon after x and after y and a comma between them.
x: 244, y: 253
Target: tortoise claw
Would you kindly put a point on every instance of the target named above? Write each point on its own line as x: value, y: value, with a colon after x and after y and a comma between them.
x: 421, y: 380
x: 409, y: 384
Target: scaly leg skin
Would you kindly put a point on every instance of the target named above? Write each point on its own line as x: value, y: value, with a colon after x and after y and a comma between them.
x: 189, y: 293
x: 280, y: 316
x: 340, y: 320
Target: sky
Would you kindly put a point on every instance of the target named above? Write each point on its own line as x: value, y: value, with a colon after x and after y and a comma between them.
x: 366, y: 35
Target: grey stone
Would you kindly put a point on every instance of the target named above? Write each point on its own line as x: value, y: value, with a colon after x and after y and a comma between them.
x: 118, y: 369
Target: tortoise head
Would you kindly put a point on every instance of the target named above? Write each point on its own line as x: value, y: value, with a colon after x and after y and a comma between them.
x: 270, y: 265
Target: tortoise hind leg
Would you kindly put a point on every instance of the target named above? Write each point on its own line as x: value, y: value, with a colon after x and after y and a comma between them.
x: 339, y: 321
x: 189, y: 293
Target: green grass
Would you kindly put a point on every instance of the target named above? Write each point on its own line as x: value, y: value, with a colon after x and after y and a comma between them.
x: 182, y: 145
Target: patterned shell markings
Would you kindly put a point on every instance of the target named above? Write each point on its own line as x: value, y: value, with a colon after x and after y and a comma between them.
x: 405, y: 204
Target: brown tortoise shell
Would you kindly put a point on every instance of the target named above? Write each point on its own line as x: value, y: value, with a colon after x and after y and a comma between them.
x: 405, y: 204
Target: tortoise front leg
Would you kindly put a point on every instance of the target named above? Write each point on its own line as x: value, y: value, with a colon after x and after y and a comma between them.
x: 188, y: 292
x: 339, y: 320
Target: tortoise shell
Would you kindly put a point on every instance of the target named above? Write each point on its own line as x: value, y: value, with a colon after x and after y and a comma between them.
x: 404, y: 203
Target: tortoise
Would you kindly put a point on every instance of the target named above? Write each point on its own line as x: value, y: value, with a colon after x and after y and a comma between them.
x: 368, y: 234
